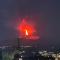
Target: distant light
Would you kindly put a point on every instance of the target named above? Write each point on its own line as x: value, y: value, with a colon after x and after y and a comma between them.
x: 20, y: 58
x: 59, y: 56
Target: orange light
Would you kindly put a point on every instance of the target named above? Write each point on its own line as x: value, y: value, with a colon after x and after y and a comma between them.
x: 25, y: 28
x: 26, y: 32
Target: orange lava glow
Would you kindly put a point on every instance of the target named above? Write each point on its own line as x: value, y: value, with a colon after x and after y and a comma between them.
x: 26, y: 32
x: 25, y: 28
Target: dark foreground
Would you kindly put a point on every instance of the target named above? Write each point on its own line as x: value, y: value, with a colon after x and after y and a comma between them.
x: 31, y: 56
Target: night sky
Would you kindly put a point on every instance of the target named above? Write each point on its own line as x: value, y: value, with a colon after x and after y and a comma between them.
x: 45, y: 13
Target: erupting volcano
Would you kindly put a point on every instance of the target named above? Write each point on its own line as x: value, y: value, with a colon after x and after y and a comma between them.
x: 26, y: 29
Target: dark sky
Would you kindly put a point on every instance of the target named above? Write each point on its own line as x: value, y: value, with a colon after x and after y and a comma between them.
x: 45, y: 13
